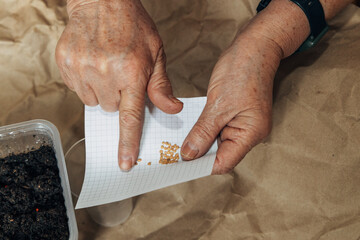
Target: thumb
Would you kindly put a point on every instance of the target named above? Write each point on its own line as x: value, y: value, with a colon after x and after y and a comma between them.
x: 203, y: 134
x: 159, y: 88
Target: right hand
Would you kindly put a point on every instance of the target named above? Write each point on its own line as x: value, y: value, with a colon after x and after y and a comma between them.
x: 110, y: 53
x: 239, y: 102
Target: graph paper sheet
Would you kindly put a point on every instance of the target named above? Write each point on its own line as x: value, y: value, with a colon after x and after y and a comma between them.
x: 105, y: 183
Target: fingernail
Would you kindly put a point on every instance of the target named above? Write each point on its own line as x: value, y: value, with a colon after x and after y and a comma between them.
x: 174, y: 99
x: 126, y: 163
x: 189, y: 151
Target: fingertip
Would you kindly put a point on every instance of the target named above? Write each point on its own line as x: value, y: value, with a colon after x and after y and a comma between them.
x: 125, y: 163
x: 176, y: 102
x: 125, y: 167
x: 168, y: 104
x: 189, y: 151
x: 174, y: 99
x: 176, y: 105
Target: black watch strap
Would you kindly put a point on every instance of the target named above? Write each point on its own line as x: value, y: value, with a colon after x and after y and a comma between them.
x: 315, y: 15
x: 262, y: 4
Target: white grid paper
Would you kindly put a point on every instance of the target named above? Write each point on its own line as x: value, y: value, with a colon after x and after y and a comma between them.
x: 105, y: 183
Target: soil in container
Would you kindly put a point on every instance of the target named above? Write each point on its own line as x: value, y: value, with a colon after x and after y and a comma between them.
x: 31, y: 197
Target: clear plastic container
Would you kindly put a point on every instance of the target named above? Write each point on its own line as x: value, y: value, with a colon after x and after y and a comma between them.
x: 107, y: 215
x: 31, y: 135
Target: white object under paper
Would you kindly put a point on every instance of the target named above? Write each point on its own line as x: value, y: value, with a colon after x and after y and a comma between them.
x: 104, y: 181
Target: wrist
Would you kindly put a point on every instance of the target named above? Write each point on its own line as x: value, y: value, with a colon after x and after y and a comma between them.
x: 258, y: 51
x: 111, y: 5
x: 73, y: 5
x: 284, y: 23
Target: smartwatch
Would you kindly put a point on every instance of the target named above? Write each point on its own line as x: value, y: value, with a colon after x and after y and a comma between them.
x: 315, y: 15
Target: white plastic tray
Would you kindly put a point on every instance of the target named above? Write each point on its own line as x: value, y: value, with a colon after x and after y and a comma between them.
x: 26, y: 136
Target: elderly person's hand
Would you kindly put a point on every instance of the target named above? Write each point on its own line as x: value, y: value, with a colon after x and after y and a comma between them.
x: 110, y: 53
x: 238, y: 108
x: 239, y: 101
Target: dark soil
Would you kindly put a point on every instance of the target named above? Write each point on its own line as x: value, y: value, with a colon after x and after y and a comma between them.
x: 31, y: 201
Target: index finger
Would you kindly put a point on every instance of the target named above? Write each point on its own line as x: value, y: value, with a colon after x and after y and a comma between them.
x: 131, y: 118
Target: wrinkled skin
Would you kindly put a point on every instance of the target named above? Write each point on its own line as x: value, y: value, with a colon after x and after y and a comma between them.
x: 119, y: 57
x: 111, y: 54
x: 238, y: 108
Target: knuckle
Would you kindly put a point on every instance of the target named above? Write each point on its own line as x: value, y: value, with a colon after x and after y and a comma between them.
x: 60, y: 53
x: 100, y: 62
x: 138, y: 96
x: 247, y: 140
x: 66, y: 58
x: 127, y: 146
x: 203, y: 130
x: 159, y: 82
x: 140, y: 64
x: 82, y: 59
x: 234, y: 133
x: 130, y: 118
x: 78, y: 57
x: 134, y: 64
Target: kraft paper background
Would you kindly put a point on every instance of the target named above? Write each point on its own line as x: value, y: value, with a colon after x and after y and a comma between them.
x: 303, y: 182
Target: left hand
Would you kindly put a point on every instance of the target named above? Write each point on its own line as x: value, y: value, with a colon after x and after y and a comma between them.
x: 239, y: 102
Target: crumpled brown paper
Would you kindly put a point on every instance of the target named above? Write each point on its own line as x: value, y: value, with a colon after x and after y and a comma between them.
x: 302, y: 183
